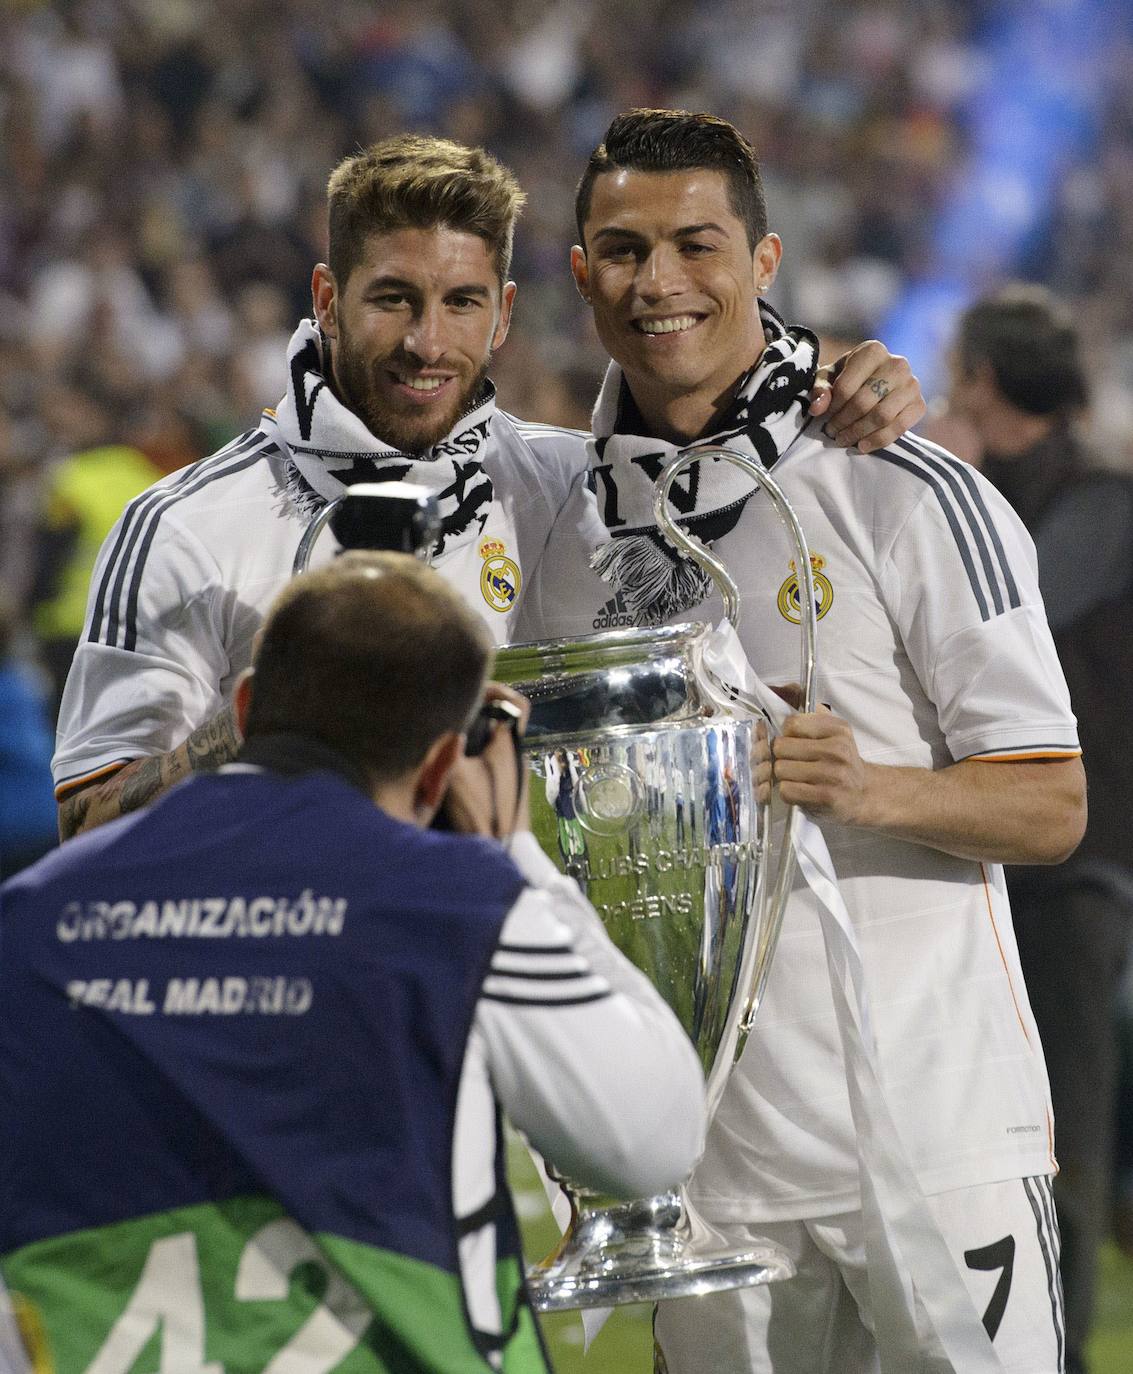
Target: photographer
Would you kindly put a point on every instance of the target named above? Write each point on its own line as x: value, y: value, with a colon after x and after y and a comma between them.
x: 267, y: 1026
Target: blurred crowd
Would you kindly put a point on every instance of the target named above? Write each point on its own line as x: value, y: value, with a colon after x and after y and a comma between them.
x: 162, y: 174
x: 163, y: 164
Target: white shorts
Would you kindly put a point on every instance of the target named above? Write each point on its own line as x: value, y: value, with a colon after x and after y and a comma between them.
x: 1005, y: 1240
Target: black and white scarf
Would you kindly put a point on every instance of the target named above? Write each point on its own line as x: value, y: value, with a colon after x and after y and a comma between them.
x: 763, y: 421
x: 330, y: 448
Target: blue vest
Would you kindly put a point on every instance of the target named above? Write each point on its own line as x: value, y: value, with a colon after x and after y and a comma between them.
x: 247, y: 1007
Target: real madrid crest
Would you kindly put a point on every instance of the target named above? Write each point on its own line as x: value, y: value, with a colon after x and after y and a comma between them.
x: 823, y: 590
x: 499, y: 577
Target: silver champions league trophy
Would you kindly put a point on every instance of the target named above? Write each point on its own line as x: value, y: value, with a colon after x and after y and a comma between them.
x: 642, y: 790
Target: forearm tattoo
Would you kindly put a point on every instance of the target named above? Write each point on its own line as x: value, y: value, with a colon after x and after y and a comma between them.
x: 73, y: 813
x: 147, y: 778
x: 215, y: 743
x: 132, y: 787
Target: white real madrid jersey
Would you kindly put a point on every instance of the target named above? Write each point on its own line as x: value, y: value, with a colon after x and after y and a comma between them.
x: 185, y: 578
x: 933, y: 644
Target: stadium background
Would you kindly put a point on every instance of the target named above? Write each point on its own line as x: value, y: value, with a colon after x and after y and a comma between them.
x: 162, y: 166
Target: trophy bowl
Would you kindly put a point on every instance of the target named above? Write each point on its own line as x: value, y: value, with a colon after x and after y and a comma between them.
x: 642, y: 791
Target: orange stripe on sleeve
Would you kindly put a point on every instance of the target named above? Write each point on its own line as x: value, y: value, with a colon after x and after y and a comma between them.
x: 74, y: 784
x: 1019, y: 758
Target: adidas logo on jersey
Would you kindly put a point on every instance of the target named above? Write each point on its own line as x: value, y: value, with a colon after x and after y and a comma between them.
x: 614, y: 615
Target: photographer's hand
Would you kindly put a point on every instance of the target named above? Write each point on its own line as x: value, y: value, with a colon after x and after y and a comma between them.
x: 488, y: 793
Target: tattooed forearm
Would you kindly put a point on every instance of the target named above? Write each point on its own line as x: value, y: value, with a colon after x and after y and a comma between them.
x: 139, y: 782
x: 215, y: 743
x: 73, y: 813
x: 131, y: 787
x: 146, y: 779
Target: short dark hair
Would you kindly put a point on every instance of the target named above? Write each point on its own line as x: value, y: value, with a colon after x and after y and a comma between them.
x: 678, y: 141
x: 1032, y: 347
x: 415, y: 181
x: 375, y: 656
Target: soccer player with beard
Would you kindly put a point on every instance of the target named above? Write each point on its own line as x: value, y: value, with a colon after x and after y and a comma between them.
x: 388, y: 381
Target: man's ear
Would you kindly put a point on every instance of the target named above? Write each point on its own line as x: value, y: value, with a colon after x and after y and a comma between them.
x: 324, y: 299
x: 443, y: 755
x: 580, y: 271
x: 765, y: 261
x: 507, y: 299
x: 242, y: 699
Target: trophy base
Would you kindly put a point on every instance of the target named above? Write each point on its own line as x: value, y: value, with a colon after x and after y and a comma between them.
x: 647, y: 1251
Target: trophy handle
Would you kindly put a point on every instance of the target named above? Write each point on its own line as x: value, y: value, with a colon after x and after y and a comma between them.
x: 771, y: 899
x: 311, y: 533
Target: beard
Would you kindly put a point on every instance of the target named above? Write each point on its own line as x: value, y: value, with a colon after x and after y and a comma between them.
x: 402, y: 429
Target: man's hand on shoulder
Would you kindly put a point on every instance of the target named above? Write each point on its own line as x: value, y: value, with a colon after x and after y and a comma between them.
x: 868, y: 398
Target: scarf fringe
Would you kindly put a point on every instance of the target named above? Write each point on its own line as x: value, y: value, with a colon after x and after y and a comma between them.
x: 655, y: 583
x: 299, y: 492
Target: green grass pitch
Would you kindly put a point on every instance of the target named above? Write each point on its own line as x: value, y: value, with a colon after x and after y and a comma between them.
x: 625, y: 1344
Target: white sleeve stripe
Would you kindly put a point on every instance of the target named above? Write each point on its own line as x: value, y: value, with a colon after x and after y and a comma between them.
x: 90, y: 772
x: 545, y: 1001
x: 900, y: 461
x: 88, y: 775
x: 130, y: 637
x: 526, y: 981
x: 535, y: 427
x: 522, y: 982
x: 557, y: 966
x: 1029, y: 750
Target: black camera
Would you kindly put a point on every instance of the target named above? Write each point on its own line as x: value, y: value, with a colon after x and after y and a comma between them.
x: 400, y: 516
x: 480, y: 731
x: 477, y: 738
